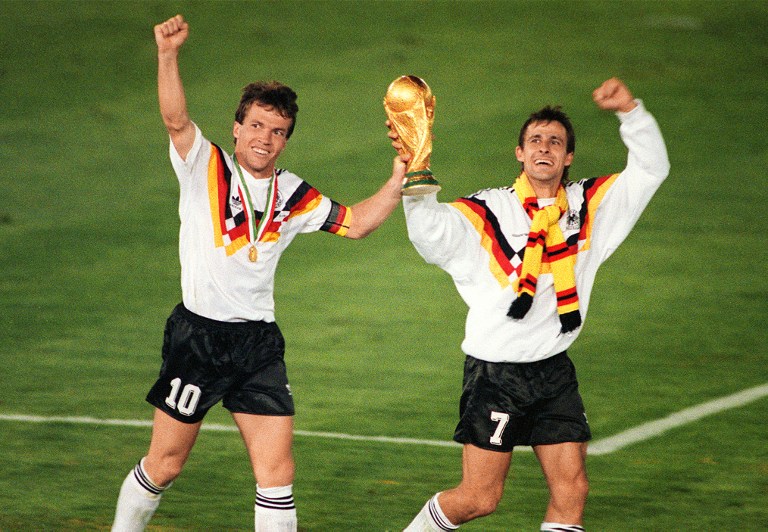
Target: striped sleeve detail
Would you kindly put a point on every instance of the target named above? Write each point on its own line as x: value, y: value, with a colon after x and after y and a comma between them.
x: 228, y: 231
x: 594, y: 192
x: 491, y: 237
x: 305, y: 199
x: 339, y: 219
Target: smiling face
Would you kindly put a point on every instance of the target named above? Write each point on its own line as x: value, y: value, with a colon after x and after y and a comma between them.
x: 260, y: 139
x: 544, y: 155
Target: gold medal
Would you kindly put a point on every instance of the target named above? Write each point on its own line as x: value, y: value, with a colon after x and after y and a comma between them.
x: 253, y: 255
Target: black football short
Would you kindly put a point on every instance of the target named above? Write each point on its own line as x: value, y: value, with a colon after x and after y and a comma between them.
x: 207, y: 361
x: 507, y: 404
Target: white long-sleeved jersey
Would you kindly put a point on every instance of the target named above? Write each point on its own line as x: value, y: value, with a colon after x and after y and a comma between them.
x: 480, y: 239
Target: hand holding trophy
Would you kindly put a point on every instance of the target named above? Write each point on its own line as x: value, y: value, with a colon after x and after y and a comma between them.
x: 410, y: 107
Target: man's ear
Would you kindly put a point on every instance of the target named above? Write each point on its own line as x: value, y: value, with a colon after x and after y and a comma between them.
x: 519, y: 153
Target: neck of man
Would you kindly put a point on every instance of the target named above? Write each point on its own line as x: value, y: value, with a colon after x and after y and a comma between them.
x: 544, y: 189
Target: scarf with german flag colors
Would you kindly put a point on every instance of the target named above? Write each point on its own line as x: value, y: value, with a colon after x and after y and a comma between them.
x: 546, y: 244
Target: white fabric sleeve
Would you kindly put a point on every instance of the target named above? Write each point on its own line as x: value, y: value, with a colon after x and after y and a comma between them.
x: 440, y: 234
x: 315, y: 219
x: 195, y: 157
x: 647, y: 167
x: 642, y: 137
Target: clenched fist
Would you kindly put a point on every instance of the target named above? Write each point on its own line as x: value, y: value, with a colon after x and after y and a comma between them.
x: 171, y: 34
x: 613, y: 95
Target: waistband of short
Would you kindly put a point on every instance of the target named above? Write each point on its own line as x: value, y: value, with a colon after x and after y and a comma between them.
x: 197, y: 319
x: 536, y: 363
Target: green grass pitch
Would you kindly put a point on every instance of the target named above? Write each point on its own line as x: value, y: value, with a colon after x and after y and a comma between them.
x: 89, y: 268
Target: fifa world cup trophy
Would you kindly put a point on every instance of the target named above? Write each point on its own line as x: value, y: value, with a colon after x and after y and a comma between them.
x: 410, y: 107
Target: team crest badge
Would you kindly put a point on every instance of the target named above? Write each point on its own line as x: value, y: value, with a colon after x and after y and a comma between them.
x: 572, y: 221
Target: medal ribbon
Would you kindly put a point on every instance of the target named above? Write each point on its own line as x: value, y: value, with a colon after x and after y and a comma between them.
x: 258, y: 232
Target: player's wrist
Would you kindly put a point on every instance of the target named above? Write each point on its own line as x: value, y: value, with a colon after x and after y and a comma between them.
x: 167, y: 53
x: 628, y: 106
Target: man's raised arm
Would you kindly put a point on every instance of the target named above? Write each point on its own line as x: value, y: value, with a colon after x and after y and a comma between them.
x: 170, y: 35
x: 370, y: 213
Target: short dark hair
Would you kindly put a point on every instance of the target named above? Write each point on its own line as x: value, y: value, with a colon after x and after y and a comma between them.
x: 552, y: 114
x: 272, y: 94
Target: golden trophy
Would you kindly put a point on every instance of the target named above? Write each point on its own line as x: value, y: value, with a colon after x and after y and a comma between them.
x: 410, y: 107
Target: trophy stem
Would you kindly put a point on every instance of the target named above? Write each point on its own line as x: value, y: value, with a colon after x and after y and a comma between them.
x: 419, y: 183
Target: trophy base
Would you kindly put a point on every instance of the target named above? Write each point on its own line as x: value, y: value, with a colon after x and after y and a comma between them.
x: 419, y: 189
x: 420, y: 183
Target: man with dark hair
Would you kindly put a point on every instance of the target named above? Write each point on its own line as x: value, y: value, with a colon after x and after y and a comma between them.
x: 546, y: 115
x: 238, y: 214
x: 269, y: 94
x: 524, y: 259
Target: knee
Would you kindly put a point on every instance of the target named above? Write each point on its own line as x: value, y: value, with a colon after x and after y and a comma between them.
x: 279, y: 473
x: 580, y: 487
x: 571, y: 493
x: 163, y: 470
x: 486, y: 506
x: 480, y: 504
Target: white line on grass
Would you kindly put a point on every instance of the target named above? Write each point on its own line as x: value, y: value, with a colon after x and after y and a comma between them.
x: 216, y: 427
x: 689, y: 415
x: 598, y: 447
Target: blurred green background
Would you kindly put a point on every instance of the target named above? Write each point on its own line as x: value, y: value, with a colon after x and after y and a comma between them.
x: 89, y: 266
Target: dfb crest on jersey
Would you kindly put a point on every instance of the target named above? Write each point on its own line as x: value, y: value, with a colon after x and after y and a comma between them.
x: 572, y: 220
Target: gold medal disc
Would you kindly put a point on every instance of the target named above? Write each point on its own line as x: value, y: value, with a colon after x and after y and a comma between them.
x: 253, y: 255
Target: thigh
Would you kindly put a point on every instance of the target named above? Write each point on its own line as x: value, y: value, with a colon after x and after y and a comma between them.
x: 169, y: 448
x: 269, y: 440
x: 484, y: 470
x: 563, y: 464
x: 564, y: 467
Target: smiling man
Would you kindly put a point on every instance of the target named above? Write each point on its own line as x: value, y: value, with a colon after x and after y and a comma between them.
x: 238, y: 214
x: 524, y: 259
x: 545, y: 149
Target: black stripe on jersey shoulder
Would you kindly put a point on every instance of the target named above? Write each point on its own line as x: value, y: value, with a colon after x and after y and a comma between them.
x: 302, y: 190
x: 490, y: 218
x: 587, y: 186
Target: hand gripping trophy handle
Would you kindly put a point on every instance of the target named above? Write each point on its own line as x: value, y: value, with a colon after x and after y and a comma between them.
x: 410, y: 107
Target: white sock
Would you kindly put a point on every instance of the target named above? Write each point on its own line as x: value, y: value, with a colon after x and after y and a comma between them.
x: 560, y: 527
x: 139, y: 498
x: 275, y: 510
x: 431, y: 519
